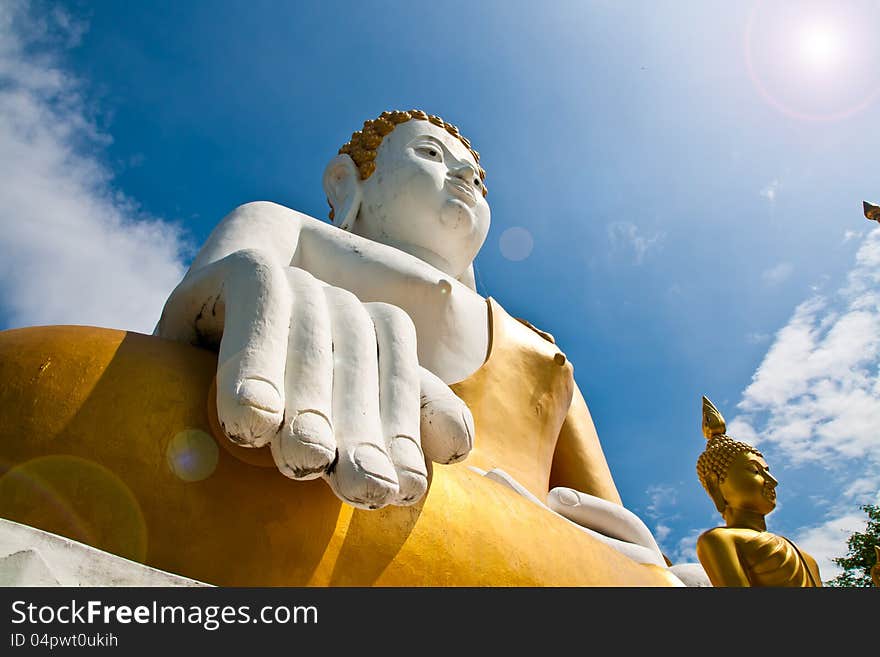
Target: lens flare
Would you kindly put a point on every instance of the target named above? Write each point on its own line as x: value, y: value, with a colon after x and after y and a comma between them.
x: 74, y: 497
x: 192, y: 455
x: 814, y: 61
x: 819, y: 47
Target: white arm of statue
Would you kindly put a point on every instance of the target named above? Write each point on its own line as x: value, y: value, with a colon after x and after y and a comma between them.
x: 608, y: 522
x: 332, y: 384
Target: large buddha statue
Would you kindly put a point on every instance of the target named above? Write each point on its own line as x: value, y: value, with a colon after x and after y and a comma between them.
x: 743, y: 552
x: 327, y: 403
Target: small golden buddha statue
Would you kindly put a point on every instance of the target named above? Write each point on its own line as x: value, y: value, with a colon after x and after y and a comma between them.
x: 744, y: 553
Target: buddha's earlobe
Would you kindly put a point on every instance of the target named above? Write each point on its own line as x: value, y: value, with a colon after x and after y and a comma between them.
x: 342, y: 185
x: 713, y: 487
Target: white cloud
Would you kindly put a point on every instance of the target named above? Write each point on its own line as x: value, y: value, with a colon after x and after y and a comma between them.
x: 851, y: 235
x: 756, y: 337
x: 625, y: 236
x: 73, y: 249
x: 685, y: 551
x: 827, y: 541
x: 740, y: 427
x: 863, y: 488
x: 816, y: 395
x: 778, y: 274
x: 769, y: 192
x: 661, y: 533
x: 661, y: 496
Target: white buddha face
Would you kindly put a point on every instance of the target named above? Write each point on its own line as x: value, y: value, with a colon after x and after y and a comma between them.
x: 425, y: 197
x: 749, y: 484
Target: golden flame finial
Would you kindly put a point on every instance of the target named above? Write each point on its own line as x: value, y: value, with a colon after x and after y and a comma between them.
x: 713, y: 421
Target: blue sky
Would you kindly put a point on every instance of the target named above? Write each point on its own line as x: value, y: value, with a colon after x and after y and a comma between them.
x: 689, y: 176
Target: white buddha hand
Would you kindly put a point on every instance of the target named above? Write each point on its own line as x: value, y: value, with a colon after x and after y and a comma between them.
x: 606, y: 521
x: 615, y: 525
x: 332, y: 384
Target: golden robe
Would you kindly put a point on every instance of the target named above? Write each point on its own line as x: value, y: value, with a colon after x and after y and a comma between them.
x: 106, y: 437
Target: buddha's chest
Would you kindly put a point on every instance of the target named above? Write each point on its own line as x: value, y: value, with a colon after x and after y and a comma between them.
x: 771, y: 560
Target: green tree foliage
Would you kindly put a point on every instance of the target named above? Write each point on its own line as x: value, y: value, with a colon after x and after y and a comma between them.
x: 861, y: 555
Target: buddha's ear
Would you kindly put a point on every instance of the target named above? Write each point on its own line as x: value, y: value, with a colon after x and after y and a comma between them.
x: 713, y: 487
x: 342, y: 185
x: 468, y: 278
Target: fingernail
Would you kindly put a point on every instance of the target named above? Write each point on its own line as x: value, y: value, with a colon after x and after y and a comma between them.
x: 408, y: 455
x: 314, y: 428
x: 259, y: 394
x: 374, y: 461
x: 468, y: 420
x: 567, y: 497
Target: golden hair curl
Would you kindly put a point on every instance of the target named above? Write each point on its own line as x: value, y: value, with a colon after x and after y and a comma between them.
x: 364, y: 144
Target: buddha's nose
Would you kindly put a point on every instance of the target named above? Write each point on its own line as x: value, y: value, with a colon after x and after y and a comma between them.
x: 466, y: 171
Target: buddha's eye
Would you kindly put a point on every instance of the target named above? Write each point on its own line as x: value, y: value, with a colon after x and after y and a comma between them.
x: 430, y: 152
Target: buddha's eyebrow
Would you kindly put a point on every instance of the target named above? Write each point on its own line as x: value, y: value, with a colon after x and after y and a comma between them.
x: 432, y: 139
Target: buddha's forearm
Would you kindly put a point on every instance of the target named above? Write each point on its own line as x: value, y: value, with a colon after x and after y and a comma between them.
x: 268, y: 228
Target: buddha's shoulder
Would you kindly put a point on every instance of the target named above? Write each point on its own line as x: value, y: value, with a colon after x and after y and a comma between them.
x: 727, y: 536
x: 547, y: 336
x: 499, y: 310
x: 256, y: 213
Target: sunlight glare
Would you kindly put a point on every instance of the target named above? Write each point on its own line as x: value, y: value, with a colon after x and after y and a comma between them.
x: 819, y: 47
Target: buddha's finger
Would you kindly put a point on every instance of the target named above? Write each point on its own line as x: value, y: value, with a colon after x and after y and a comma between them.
x: 447, y: 426
x: 363, y: 474
x: 399, y: 399
x: 602, y: 516
x: 255, y: 303
x: 305, y: 447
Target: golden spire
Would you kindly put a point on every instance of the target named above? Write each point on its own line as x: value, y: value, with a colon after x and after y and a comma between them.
x: 713, y: 421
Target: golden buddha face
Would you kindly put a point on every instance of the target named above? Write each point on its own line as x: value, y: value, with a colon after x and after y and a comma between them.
x: 749, y: 484
x: 426, y: 197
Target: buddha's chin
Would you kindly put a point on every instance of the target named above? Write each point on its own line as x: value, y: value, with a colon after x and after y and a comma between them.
x: 769, y: 494
x: 456, y: 215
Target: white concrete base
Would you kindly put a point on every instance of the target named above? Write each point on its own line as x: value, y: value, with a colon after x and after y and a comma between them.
x: 32, y: 557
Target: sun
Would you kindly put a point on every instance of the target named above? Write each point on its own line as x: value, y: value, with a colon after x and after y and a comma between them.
x: 819, y: 47
x: 815, y: 60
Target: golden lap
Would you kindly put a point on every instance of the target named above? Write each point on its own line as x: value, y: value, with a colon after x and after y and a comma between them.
x: 105, y: 438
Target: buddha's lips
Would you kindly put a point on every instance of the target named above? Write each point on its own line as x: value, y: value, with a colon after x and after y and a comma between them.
x: 769, y: 493
x: 461, y: 190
